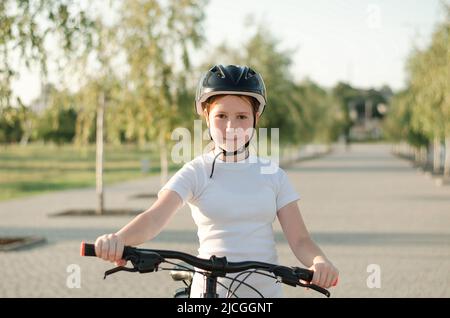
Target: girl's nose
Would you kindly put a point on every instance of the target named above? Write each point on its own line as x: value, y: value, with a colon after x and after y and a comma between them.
x: 230, y: 124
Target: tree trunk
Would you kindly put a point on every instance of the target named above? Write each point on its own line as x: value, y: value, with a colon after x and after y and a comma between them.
x: 417, y: 155
x: 447, y: 157
x: 27, y: 131
x: 163, y: 159
x: 436, y: 155
x: 424, y: 156
x: 99, y: 154
x: 24, y: 139
x: 411, y: 151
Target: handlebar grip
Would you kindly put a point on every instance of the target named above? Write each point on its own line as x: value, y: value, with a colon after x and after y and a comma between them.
x: 87, y: 249
x: 310, y: 274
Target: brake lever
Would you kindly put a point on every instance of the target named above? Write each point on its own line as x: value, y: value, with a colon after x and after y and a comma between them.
x: 118, y: 269
x: 142, y: 263
x: 316, y: 288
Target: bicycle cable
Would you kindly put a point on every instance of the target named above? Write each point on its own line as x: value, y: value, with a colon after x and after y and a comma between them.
x: 183, y: 268
x: 250, y: 272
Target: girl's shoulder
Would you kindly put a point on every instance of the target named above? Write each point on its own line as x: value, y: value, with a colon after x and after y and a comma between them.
x: 194, y: 164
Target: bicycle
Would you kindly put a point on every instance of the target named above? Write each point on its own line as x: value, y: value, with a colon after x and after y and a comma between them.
x: 149, y: 260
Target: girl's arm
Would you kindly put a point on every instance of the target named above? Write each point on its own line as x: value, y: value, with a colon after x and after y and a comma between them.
x: 143, y: 227
x: 304, y: 248
x: 149, y: 223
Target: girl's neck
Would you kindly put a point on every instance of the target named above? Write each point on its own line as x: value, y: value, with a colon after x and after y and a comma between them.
x: 235, y: 158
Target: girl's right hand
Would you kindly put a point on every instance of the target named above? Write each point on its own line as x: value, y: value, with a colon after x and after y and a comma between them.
x: 110, y: 248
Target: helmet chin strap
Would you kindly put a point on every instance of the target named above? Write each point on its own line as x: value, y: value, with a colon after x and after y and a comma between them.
x: 232, y: 153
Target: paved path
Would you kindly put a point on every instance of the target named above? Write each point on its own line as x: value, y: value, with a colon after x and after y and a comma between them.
x: 363, y: 207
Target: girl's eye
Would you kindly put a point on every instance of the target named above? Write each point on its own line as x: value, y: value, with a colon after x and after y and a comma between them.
x: 220, y: 115
x: 242, y: 117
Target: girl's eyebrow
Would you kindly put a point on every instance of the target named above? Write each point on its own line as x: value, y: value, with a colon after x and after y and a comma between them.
x: 225, y: 112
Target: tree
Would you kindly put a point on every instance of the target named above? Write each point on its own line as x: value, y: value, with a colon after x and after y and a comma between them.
x: 57, y: 121
x: 10, y: 125
x: 157, y: 40
x: 428, y: 71
x: 348, y: 98
x: 26, y: 25
x: 398, y: 124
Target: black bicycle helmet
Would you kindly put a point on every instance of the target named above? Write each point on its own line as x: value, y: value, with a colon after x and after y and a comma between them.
x: 230, y: 79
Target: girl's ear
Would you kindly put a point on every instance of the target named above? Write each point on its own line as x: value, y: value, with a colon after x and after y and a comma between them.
x: 257, y: 116
x: 205, y: 113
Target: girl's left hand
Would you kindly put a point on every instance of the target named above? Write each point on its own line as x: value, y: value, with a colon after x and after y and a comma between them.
x: 325, y: 274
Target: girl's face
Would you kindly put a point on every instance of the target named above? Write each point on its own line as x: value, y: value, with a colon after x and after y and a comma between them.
x: 231, y: 122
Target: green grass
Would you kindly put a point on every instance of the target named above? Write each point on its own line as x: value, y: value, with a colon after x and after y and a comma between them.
x: 38, y: 168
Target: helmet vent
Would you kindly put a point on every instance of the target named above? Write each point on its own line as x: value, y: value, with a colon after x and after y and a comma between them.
x: 250, y: 73
x: 216, y: 70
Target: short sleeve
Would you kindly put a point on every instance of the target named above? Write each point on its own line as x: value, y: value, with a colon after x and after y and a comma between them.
x: 183, y: 182
x: 286, y: 192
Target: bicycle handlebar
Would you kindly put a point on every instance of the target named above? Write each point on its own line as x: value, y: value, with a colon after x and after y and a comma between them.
x: 147, y: 260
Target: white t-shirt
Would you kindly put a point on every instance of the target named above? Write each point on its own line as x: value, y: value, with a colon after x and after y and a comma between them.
x: 234, y: 211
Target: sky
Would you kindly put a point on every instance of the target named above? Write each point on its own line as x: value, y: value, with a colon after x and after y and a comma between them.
x: 362, y: 42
